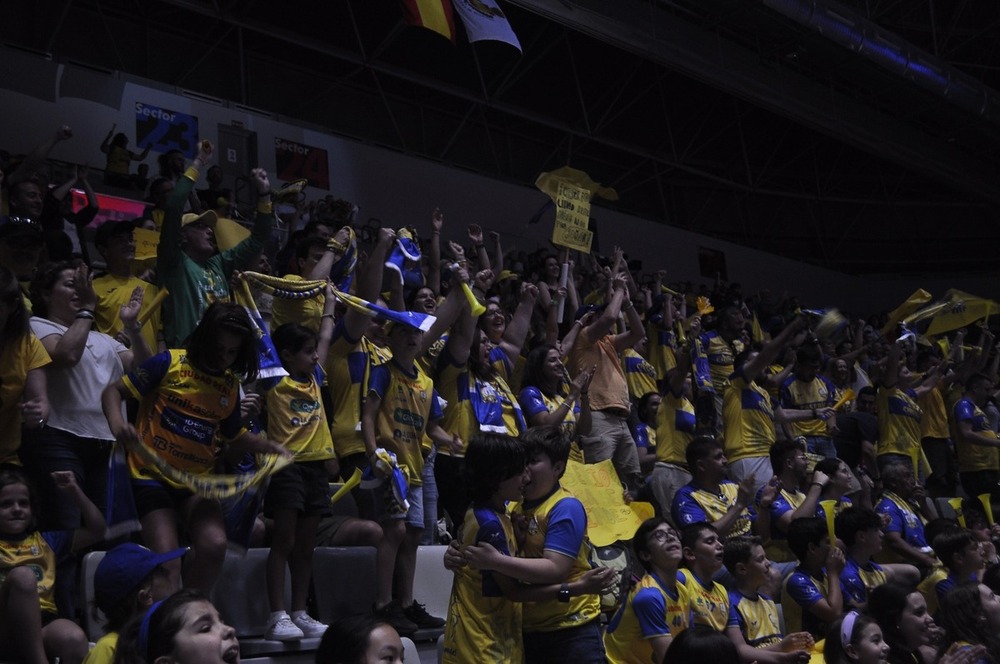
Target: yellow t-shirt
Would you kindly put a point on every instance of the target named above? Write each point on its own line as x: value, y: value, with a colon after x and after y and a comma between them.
x: 456, y: 384
x: 306, y: 312
x: 749, y: 418
x: 709, y: 600
x: 295, y: 418
x: 898, y: 421
x: 564, y: 516
x: 112, y: 293
x: 17, y: 358
x: 800, y: 395
x: 934, y: 423
x: 675, y: 424
x: 482, y: 624
x: 409, y: 405
x: 348, y: 365
x: 640, y: 376
x: 651, y: 610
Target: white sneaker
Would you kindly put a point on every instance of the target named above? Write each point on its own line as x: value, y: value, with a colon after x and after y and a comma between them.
x: 310, y: 626
x: 283, y: 629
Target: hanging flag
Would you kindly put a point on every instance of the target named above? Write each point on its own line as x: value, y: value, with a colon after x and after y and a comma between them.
x: 431, y: 14
x: 485, y: 21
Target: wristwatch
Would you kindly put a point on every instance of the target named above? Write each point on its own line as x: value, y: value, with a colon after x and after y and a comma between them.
x: 564, y: 593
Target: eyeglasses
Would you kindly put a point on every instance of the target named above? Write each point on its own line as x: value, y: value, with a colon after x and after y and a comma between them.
x: 665, y: 536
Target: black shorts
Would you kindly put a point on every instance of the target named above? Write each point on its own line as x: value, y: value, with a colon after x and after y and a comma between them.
x: 303, y: 487
x: 151, y: 495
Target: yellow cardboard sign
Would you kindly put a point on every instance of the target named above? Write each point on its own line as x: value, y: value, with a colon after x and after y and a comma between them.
x: 572, y: 218
x: 145, y: 243
x: 596, y: 485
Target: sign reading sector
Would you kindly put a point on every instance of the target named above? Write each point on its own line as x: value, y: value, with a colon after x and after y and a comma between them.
x: 164, y: 130
x: 295, y: 161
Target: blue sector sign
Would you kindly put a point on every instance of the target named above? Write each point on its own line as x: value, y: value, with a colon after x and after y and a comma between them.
x: 164, y: 130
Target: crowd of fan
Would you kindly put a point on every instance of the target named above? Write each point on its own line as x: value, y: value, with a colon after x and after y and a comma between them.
x: 788, y: 458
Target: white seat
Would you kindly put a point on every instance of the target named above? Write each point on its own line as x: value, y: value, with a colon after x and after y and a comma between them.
x: 93, y: 618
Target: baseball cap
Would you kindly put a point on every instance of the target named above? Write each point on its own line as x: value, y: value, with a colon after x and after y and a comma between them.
x: 208, y: 218
x: 122, y: 570
x: 113, y: 227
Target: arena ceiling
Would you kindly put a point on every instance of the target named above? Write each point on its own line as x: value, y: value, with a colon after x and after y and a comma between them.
x: 860, y: 135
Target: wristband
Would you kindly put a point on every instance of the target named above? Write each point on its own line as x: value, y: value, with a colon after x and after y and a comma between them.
x: 819, y: 484
x: 326, y: 316
x: 264, y: 205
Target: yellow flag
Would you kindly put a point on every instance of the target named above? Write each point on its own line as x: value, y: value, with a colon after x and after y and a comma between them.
x: 919, y: 298
x: 965, y: 309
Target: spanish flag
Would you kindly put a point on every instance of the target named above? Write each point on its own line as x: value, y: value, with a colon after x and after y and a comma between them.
x: 434, y: 15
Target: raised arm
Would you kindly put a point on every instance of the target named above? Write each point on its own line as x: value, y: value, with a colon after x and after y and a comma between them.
x: 769, y: 353
x: 636, y: 330
x: 434, y: 251
x: 604, y: 323
x: 476, y: 237
x: 369, y: 283
x: 519, y: 326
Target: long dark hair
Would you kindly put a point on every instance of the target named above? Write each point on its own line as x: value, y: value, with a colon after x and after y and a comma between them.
x: 961, y: 615
x: 534, y: 370
x: 345, y: 641
x: 225, y: 317
x: 16, y: 327
x: 886, y: 604
x: 834, y: 650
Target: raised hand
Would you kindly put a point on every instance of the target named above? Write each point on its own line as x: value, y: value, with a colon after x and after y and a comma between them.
x: 259, y: 176
x: 437, y: 220
x: 475, y: 234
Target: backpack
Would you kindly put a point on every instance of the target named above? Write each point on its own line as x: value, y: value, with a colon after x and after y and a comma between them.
x: 620, y: 557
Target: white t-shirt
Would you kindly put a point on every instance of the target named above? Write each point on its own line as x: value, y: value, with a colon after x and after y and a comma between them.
x: 75, y: 392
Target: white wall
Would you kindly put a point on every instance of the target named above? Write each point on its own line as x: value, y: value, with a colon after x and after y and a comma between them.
x: 402, y: 190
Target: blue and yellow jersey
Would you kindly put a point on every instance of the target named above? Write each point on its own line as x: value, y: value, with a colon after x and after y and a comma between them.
x: 675, y: 425
x: 709, y: 600
x: 662, y: 344
x: 482, y: 624
x: 558, y: 523
x: 898, y: 421
x: 799, y: 592
x: 928, y: 587
x: 934, y: 420
x: 749, y: 419
x: 533, y: 401
x: 644, y: 436
x: 858, y: 579
x: 694, y: 505
x: 712, y: 358
x: 639, y: 374
x: 409, y: 404
x: 901, y: 518
x: 651, y: 610
x: 974, y: 457
x: 39, y: 552
x: 786, y: 501
x: 348, y: 364
x: 456, y: 385
x: 181, y: 411
x: 295, y: 417
x: 945, y: 584
x: 799, y: 395
x: 756, y: 617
